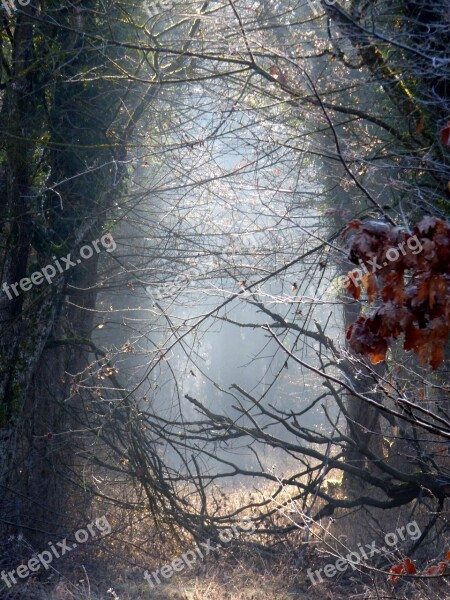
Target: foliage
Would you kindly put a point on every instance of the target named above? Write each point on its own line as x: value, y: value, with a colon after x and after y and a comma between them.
x: 413, y: 289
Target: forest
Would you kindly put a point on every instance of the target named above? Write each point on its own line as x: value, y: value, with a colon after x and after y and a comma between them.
x: 224, y: 299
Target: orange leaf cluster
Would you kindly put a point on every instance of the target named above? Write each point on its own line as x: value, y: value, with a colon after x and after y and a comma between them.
x: 405, y: 567
x: 408, y: 567
x: 412, y: 291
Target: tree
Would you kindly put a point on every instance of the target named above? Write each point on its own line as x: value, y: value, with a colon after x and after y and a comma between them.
x: 262, y: 133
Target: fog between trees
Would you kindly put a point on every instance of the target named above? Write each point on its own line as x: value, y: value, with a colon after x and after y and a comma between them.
x: 233, y: 152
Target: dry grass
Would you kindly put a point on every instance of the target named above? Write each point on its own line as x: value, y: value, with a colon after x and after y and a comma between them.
x: 242, y: 570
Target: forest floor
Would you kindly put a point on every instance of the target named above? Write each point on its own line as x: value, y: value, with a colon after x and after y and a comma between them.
x: 230, y: 578
x: 250, y: 568
x: 232, y: 582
